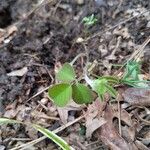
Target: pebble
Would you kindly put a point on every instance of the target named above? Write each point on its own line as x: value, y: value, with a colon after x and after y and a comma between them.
x: 80, y: 2
x: 2, y: 147
x: 101, y: 3
x: 148, y: 25
x: 44, y: 101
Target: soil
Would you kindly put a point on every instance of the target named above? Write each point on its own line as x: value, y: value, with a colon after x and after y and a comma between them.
x: 48, y: 35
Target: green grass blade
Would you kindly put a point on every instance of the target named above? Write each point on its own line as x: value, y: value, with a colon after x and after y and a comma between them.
x: 111, y: 79
x: 111, y: 90
x: 8, y: 121
x: 59, y: 141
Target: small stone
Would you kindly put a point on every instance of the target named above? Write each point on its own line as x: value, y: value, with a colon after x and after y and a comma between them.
x: 80, y: 2
x: 44, y: 101
x: 2, y: 147
x: 79, y: 40
x: 100, y: 3
x: 148, y: 25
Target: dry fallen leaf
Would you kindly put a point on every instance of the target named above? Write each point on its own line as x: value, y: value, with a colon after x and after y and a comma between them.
x: 109, y: 135
x: 19, y: 72
x: 93, y: 119
x: 125, y: 117
x: 137, y: 96
x: 93, y: 125
x: 63, y: 112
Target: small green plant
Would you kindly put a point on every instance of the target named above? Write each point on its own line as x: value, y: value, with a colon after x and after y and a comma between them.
x: 71, y: 88
x: 49, y: 134
x: 131, y: 75
x: 90, y: 20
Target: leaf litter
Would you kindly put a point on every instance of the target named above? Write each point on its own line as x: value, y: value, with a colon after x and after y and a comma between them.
x: 51, y: 41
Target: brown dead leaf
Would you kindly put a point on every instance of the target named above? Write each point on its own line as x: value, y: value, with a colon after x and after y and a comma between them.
x: 125, y: 117
x: 122, y: 32
x: 128, y: 133
x: 32, y: 133
x: 93, y: 125
x: 63, y: 112
x: 109, y: 135
x: 10, y: 113
x: 93, y: 119
x: 137, y: 96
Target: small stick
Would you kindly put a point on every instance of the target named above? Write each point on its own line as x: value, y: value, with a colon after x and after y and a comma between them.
x: 119, y: 117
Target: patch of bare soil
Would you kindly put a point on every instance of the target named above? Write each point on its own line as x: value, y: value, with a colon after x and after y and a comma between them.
x: 36, y: 37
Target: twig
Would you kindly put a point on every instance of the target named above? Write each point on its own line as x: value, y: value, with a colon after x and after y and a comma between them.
x: 78, y: 56
x: 38, y: 93
x: 56, y: 7
x: 119, y: 117
x: 141, y: 49
x: 112, y: 55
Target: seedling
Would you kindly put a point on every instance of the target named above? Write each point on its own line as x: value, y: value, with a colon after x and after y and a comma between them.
x: 71, y: 88
x: 90, y: 20
x: 131, y: 75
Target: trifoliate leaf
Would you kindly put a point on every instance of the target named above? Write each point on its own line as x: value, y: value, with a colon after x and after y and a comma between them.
x: 66, y: 73
x: 81, y: 93
x: 60, y: 94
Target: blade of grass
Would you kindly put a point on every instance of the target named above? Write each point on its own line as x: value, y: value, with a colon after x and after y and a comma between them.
x: 51, y: 135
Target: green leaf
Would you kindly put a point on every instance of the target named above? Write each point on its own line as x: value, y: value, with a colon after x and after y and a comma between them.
x: 60, y: 94
x: 59, y: 141
x: 99, y: 86
x: 81, y: 94
x: 110, y: 79
x: 8, y: 121
x: 66, y: 73
x: 90, y: 20
x: 132, y: 70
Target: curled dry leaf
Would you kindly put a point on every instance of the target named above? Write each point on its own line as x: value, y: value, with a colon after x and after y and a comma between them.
x: 109, y: 135
x: 137, y: 96
x: 19, y: 72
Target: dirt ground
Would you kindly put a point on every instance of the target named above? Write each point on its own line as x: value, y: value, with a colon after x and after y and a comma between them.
x: 39, y: 37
